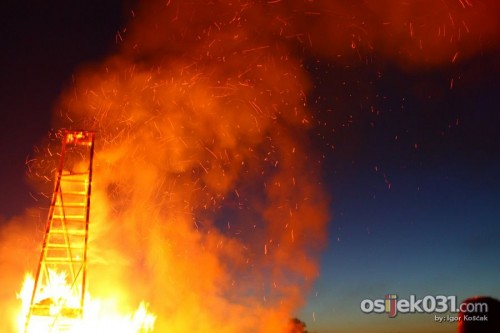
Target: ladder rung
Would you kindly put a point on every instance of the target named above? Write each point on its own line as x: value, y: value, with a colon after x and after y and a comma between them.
x: 76, y: 193
x: 69, y: 232
x: 70, y: 217
x: 66, y: 318
x: 64, y: 246
x: 75, y: 180
x: 71, y: 205
x: 62, y: 260
x: 74, y: 174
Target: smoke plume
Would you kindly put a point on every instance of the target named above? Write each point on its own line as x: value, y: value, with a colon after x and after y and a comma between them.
x: 207, y: 199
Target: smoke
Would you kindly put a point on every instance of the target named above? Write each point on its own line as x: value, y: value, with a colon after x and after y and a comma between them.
x: 412, y: 34
x: 207, y: 199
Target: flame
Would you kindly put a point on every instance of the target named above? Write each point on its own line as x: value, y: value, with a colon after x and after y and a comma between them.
x: 208, y: 199
x: 99, y: 315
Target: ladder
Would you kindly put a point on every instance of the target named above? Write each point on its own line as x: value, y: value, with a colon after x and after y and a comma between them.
x: 60, y: 282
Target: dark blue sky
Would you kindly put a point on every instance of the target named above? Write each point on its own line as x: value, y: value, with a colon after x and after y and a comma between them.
x: 411, y: 162
x: 416, y: 191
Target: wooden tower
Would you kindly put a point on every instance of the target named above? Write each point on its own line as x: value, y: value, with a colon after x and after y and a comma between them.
x: 60, y: 282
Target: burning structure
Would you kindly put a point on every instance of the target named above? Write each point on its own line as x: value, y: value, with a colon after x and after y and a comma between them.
x: 57, y: 301
x: 208, y: 199
x: 59, y: 288
x: 205, y: 160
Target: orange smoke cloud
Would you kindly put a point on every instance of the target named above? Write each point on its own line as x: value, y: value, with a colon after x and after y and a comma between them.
x: 207, y: 193
x: 206, y: 200
x: 412, y: 33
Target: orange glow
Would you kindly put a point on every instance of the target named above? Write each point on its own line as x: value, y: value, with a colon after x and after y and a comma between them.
x: 56, y: 299
x: 201, y: 162
x: 100, y: 316
x: 207, y: 198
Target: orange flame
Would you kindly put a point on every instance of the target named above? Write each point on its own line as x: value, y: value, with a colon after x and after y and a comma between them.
x: 207, y: 198
x: 99, y: 315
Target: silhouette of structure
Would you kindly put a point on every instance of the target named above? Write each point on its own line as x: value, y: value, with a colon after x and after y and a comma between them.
x: 60, y: 281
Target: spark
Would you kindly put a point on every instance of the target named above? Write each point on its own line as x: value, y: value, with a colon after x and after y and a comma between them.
x: 255, y: 49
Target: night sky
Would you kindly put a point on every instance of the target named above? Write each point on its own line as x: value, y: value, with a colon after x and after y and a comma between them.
x: 410, y: 158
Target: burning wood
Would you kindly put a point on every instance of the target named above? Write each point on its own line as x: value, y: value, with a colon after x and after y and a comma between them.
x: 56, y: 300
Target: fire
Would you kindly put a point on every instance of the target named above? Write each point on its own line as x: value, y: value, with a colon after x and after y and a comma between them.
x: 208, y: 199
x: 57, y: 299
x: 100, y: 315
x: 206, y: 193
